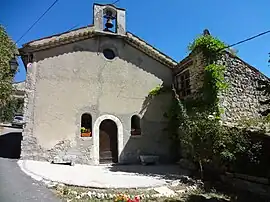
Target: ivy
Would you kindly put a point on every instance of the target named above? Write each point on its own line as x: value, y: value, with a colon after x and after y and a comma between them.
x: 210, y: 46
x: 214, y: 81
x: 158, y: 90
x: 195, y: 123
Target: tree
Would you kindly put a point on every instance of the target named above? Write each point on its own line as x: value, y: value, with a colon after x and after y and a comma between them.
x: 196, y: 121
x: 8, y: 51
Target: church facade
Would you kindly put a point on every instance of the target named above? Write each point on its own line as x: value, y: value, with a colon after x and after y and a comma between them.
x: 87, y: 94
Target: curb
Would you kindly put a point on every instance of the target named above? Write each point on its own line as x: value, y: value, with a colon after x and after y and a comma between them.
x: 38, y: 177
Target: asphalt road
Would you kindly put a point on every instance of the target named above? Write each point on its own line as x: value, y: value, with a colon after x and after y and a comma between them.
x: 15, y: 186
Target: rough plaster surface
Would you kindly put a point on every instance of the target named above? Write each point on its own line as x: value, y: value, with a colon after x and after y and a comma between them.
x: 89, y: 176
x: 67, y: 81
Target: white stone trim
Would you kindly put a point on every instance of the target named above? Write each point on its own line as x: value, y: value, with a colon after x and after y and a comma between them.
x: 120, y: 136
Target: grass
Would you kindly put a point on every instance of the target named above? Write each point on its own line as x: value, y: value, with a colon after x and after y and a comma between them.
x: 69, y: 194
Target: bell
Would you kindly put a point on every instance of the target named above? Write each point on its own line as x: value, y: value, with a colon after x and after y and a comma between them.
x: 109, y: 23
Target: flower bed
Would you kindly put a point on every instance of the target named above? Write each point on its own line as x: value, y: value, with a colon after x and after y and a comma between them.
x: 126, y: 198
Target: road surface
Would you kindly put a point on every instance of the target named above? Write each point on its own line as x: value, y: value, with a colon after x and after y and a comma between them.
x: 15, y: 186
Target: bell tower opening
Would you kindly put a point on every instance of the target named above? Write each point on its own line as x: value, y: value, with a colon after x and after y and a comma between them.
x: 108, y: 18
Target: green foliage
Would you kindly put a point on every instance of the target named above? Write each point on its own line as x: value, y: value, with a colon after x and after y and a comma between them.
x: 206, y: 141
x: 210, y: 46
x: 8, y: 51
x: 8, y: 111
x: 159, y: 89
x: 83, y: 129
x: 156, y: 90
x: 214, y: 81
x: 195, y: 122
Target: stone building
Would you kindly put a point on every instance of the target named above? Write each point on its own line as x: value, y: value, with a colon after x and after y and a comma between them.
x: 242, y: 99
x: 19, y: 89
x: 87, y: 94
x: 19, y: 95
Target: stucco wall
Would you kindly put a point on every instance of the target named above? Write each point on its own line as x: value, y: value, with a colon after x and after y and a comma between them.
x: 67, y: 81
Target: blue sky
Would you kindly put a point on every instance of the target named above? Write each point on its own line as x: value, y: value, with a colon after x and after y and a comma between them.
x: 169, y: 25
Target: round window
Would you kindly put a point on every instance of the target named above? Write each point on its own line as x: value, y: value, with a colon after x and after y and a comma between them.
x: 109, y: 54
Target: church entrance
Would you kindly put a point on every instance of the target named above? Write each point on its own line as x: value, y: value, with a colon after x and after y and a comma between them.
x: 108, y: 146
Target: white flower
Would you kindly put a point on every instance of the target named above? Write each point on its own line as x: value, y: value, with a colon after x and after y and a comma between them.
x: 74, y: 192
x: 211, y: 117
x: 110, y: 196
x: 220, y: 122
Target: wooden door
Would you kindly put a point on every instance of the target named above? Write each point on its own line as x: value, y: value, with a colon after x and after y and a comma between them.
x: 108, y: 142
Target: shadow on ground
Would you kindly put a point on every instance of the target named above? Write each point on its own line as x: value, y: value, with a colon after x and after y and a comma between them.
x: 10, y: 145
x: 170, y: 172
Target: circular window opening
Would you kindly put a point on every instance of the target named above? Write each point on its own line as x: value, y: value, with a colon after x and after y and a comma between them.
x: 109, y: 54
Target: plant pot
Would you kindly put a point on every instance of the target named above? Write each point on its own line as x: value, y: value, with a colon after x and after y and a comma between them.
x: 88, y: 134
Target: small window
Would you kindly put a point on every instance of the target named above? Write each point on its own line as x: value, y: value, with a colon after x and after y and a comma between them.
x: 184, y: 84
x: 135, y: 125
x: 86, y: 125
x: 109, y: 54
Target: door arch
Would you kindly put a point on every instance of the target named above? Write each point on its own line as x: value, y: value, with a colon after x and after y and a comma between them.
x: 108, y: 149
x: 96, y: 141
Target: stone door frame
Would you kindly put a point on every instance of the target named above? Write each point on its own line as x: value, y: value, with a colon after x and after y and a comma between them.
x: 120, y: 136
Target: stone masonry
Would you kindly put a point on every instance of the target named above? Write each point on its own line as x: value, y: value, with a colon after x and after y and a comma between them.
x: 241, y: 100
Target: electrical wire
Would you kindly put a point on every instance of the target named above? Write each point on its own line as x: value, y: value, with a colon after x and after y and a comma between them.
x: 245, y: 40
x: 73, y: 27
x: 115, y: 2
x: 49, y: 8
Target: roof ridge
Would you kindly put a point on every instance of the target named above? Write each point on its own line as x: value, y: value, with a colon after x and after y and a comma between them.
x: 88, y: 32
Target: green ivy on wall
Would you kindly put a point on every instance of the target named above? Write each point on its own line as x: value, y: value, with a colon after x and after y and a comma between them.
x: 214, y: 81
x: 158, y: 90
x: 194, y: 122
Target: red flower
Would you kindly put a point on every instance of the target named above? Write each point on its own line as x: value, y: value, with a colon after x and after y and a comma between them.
x: 137, y: 199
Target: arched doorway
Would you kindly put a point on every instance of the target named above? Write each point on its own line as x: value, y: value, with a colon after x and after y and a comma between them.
x: 108, y: 146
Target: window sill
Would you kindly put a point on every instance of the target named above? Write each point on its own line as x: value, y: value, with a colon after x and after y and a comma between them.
x: 135, y: 133
x: 89, y: 134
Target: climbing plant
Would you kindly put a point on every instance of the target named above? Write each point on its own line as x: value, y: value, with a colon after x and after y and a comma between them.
x: 195, y: 122
x: 214, y: 81
x: 158, y: 90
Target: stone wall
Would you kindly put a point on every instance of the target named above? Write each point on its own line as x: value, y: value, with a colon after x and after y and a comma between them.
x: 194, y: 64
x: 241, y: 101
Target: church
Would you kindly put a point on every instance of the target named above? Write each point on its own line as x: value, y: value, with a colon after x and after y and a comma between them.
x: 87, y: 93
